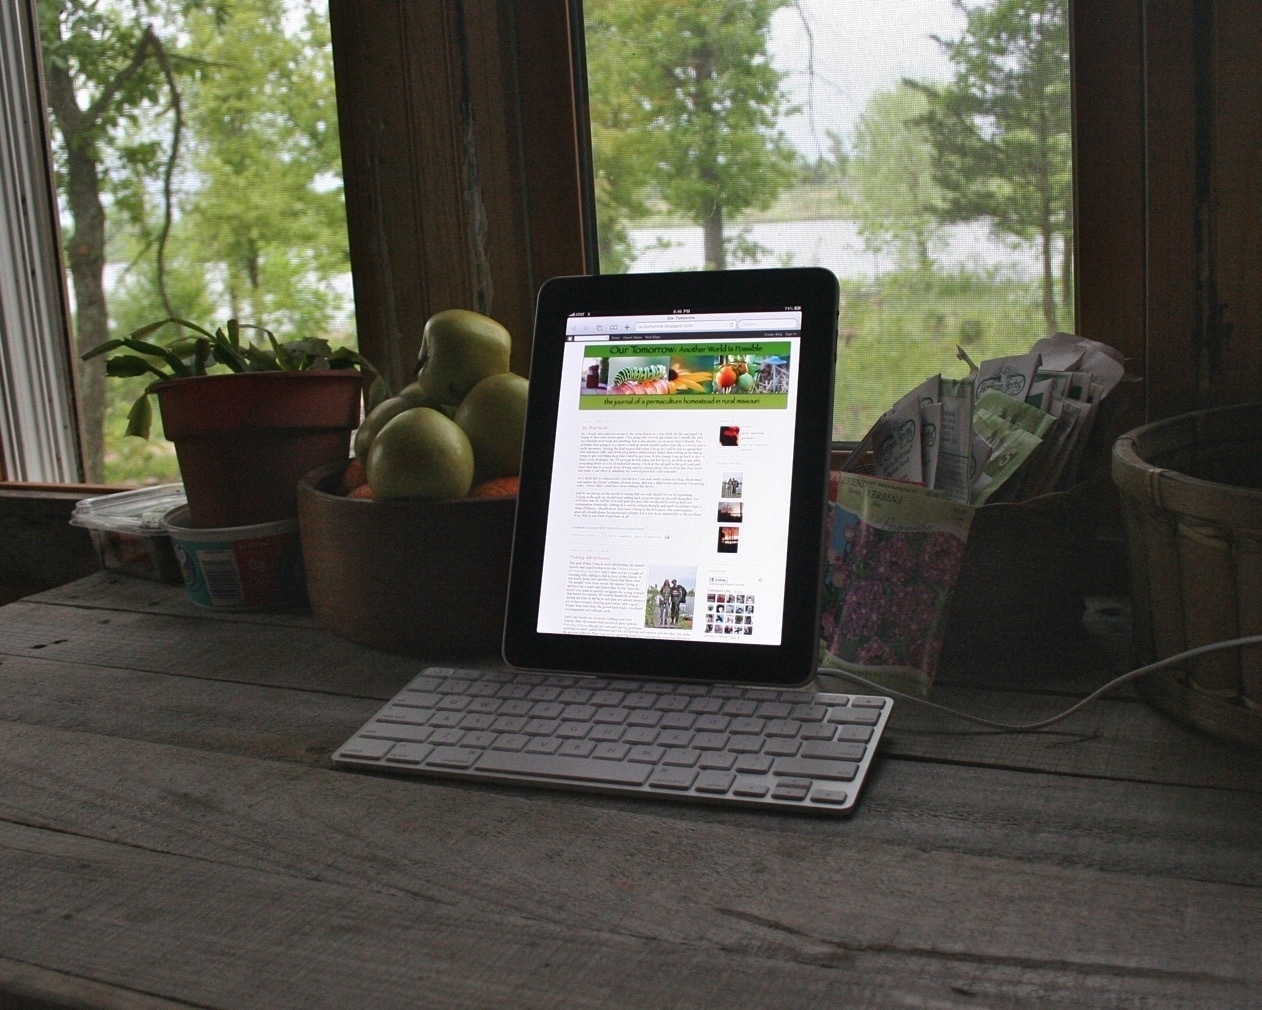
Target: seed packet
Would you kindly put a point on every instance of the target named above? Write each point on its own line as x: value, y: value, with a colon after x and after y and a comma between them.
x: 894, y: 555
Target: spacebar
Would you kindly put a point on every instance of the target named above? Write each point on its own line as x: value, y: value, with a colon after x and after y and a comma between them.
x: 573, y: 769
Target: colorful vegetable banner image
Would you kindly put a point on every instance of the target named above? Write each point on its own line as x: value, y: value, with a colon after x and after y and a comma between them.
x: 753, y: 375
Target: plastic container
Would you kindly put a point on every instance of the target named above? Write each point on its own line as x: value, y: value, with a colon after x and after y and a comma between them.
x: 238, y: 567
x: 127, y: 530
x: 1191, y: 489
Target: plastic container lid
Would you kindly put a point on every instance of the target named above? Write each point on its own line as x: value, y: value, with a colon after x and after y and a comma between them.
x: 139, y: 512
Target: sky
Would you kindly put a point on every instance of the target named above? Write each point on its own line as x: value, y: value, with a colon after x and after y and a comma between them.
x: 861, y: 46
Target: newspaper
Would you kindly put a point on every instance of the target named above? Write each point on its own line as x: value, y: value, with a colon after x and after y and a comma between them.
x: 894, y: 555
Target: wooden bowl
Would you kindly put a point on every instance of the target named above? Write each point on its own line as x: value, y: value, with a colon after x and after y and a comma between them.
x: 407, y: 576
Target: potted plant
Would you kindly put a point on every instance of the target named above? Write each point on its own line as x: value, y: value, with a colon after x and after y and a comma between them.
x: 247, y: 419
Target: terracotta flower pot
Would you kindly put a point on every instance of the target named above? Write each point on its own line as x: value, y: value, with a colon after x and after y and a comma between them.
x: 244, y: 440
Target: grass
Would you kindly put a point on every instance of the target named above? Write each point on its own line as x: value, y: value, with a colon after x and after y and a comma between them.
x: 893, y: 336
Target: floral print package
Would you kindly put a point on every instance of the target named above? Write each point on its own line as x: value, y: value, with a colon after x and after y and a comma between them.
x: 894, y: 554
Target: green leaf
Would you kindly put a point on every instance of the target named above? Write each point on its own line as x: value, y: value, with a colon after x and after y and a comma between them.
x: 140, y: 417
x: 153, y: 350
x: 186, y: 324
x: 99, y: 349
x: 126, y: 366
x: 143, y: 331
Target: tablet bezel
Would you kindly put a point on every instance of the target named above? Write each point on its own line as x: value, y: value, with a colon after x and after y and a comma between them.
x: 793, y: 661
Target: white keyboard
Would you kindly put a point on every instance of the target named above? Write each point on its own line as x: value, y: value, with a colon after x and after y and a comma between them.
x: 799, y: 749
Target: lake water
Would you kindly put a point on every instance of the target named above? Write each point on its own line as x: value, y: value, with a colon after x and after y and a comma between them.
x: 836, y: 244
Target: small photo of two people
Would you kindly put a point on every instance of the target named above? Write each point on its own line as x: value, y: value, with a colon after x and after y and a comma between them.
x: 670, y: 595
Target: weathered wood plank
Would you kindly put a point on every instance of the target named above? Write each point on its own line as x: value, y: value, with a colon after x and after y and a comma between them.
x: 276, y: 655
x: 110, y: 591
x: 1121, y: 739
x: 147, y: 790
x: 1112, y: 738
x: 501, y: 909
x: 29, y: 987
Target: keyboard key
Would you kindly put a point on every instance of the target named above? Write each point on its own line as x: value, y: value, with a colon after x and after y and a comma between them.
x: 831, y: 795
x: 833, y: 750
x: 673, y: 778
x: 543, y: 745
x: 453, y: 757
x: 714, y: 782
x: 753, y: 764
x: 396, y: 731
x: 680, y: 757
x: 511, y: 741
x: 752, y: 787
x: 610, y: 751
x: 841, y: 771
x: 408, y: 753
x: 857, y: 716
x: 781, y: 747
x: 646, y: 755
x: 868, y: 702
x: 712, y: 723
x: 555, y: 766
x: 576, y: 748
x: 717, y: 760
x: 369, y: 750
x: 791, y: 789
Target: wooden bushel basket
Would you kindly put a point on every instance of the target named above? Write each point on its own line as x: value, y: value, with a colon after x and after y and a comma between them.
x: 1191, y: 489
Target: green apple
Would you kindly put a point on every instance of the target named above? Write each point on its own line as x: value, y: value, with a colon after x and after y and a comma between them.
x: 459, y: 349
x: 374, y: 421
x: 416, y: 395
x: 493, y: 415
x: 420, y: 453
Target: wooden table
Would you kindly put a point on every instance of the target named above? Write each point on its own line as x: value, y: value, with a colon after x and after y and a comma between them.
x: 173, y: 834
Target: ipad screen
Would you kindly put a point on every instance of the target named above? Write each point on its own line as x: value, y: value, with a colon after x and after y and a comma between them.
x: 674, y: 475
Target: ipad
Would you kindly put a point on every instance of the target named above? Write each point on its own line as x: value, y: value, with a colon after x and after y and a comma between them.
x: 674, y: 476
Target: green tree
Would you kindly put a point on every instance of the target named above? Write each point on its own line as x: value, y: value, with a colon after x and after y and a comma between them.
x: 1001, y: 129
x: 106, y: 68
x: 267, y: 205
x: 897, y: 202
x: 690, y: 83
x: 621, y: 162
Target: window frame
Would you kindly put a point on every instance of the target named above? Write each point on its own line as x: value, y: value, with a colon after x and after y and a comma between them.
x: 462, y: 154
x: 524, y: 51
x: 39, y: 430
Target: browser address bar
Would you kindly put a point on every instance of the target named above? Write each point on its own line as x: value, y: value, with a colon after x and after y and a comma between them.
x: 686, y: 325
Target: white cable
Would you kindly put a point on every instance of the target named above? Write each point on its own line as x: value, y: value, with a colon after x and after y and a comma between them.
x: 1032, y: 727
